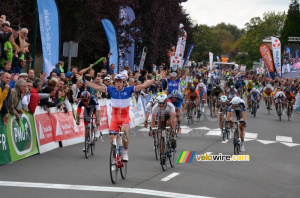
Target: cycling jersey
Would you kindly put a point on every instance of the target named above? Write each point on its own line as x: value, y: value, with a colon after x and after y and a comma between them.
x: 249, y: 86
x: 173, y: 85
x: 231, y: 93
x: 168, y: 111
x: 149, y: 107
x: 267, y: 92
x: 229, y: 83
x: 238, y: 109
x: 193, y: 95
x: 238, y: 85
x: 290, y: 96
x: 217, y: 92
x: 176, y: 101
x: 92, y: 106
x: 120, y: 102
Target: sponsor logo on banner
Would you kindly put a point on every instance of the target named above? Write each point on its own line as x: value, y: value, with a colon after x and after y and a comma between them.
x: 44, y: 128
x: 211, y: 57
x: 259, y: 70
x: 267, y: 57
x: 104, y: 118
x: 176, y: 62
x: 276, y: 45
x: 21, y: 135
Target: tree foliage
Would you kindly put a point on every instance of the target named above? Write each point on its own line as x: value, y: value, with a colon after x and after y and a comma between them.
x: 291, y: 26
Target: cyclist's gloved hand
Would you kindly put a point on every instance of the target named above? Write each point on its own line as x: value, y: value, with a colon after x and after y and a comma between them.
x: 146, y: 124
x: 77, y: 121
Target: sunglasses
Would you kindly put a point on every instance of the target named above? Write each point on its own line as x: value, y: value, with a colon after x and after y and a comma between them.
x: 161, y: 103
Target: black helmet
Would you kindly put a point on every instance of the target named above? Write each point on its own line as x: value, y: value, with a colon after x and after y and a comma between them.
x: 85, y: 96
x: 209, y: 85
x: 288, y: 92
x: 192, y: 89
x: 218, y: 87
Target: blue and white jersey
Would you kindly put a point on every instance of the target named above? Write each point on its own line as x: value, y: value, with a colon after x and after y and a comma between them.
x: 173, y: 85
x: 120, y: 100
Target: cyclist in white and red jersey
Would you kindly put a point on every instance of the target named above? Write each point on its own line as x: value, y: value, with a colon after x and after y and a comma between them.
x: 120, y: 101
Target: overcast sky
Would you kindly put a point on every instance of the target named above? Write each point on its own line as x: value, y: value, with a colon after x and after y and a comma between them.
x: 236, y: 12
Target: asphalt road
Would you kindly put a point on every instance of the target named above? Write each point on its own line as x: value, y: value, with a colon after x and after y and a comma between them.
x: 273, y: 169
x: 292, y: 74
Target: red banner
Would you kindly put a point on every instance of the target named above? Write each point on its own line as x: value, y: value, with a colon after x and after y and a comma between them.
x: 267, y: 57
x: 104, y: 118
x: 44, y: 128
x: 64, y: 126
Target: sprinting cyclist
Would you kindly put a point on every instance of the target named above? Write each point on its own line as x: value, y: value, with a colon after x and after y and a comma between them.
x: 268, y: 93
x: 222, y: 108
x: 192, y: 97
x: 237, y: 107
x: 203, y: 94
x: 90, y: 105
x: 216, y: 93
x: 279, y: 95
x: 166, y: 117
x: 120, y: 101
x: 255, y: 95
x: 149, y: 107
x: 231, y: 92
x: 177, y: 101
x: 174, y: 82
x: 290, y: 98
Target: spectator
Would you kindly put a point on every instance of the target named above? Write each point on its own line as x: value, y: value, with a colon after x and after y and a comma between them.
x: 4, y: 90
x: 7, y: 67
x: 3, y: 39
x: 103, y: 64
x: 21, y: 46
x: 18, y: 65
x: 26, y: 98
x: 76, y: 90
x: 74, y: 70
x: 46, y: 103
x: 59, y: 68
x: 5, y: 78
x: 131, y: 82
x: 15, y: 99
x: 31, y: 75
x: 34, y: 96
x: 112, y: 69
x: 136, y: 75
x: 126, y: 70
x: 142, y: 78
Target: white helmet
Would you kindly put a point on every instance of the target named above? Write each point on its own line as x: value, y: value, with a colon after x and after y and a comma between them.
x: 201, y: 85
x: 119, y: 77
x: 162, y: 98
x: 236, y: 100
x: 223, y: 98
x: 268, y: 86
x: 190, y: 81
x: 254, y: 90
x: 153, y: 100
x: 173, y: 74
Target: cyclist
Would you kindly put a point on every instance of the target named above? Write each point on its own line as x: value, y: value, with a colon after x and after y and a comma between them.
x: 268, y: 92
x: 177, y: 101
x: 249, y: 87
x: 243, y: 86
x: 192, y: 97
x: 217, y: 80
x: 149, y: 107
x: 90, y: 105
x: 229, y: 83
x: 203, y: 94
x: 166, y: 116
x: 174, y: 82
x: 238, y: 87
x: 222, y: 108
x: 290, y: 98
x: 120, y: 102
x: 231, y: 92
x: 279, y: 95
x: 237, y: 107
x: 216, y: 93
x: 255, y: 95
x: 189, y: 85
x: 195, y: 82
x: 209, y: 91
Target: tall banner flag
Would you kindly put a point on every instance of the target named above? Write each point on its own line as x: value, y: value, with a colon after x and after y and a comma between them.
x: 184, y: 37
x: 188, y: 54
x: 218, y: 59
x: 126, y: 54
x: 267, y: 57
x: 113, y: 43
x: 276, y: 45
x: 49, y: 28
x: 141, y: 66
x: 211, y: 57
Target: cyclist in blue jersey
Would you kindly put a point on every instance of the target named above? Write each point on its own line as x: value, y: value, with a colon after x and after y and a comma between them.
x: 174, y: 82
x: 177, y: 100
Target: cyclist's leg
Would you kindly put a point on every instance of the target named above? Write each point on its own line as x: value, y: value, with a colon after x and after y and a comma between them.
x: 125, y: 126
x: 114, y: 127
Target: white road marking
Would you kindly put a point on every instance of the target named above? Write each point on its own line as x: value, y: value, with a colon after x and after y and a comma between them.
x: 266, y: 141
x: 98, y: 189
x: 184, y: 127
x: 215, y: 133
x: 283, y: 139
x: 203, y: 128
x: 247, y: 139
x: 251, y: 135
x: 143, y: 129
x: 185, y: 131
x: 290, y: 144
x: 170, y: 177
x: 224, y: 142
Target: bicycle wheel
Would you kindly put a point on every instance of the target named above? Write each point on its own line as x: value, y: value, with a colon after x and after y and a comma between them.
x: 163, y: 157
x: 236, y: 144
x: 123, y: 169
x: 192, y: 115
x: 86, y: 147
x: 289, y: 112
x: 113, y: 167
x: 210, y: 107
x: 254, y: 110
x: 279, y: 112
x: 92, y: 145
x: 156, y: 148
x: 172, y: 157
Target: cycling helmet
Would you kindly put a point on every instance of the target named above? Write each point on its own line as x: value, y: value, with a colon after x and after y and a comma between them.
x: 162, y: 98
x: 280, y: 95
x: 236, y: 100
x: 250, y: 81
x: 85, y: 96
x: 268, y: 86
x: 254, y: 90
x: 190, y: 81
x: 195, y: 80
x: 288, y: 92
x: 218, y: 87
x: 119, y: 77
x: 192, y: 89
x: 173, y: 74
x: 174, y: 93
x: 153, y: 100
x: 223, y: 98
x: 209, y: 85
x: 231, y: 87
x: 201, y: 85
x: 230, y: 79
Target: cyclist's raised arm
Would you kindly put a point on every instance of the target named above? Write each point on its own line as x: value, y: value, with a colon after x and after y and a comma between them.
x: 97, y: 87
x: 185, y: 74
x: 148, y: 83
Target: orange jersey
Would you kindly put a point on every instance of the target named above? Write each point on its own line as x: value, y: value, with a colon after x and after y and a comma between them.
x: 193, y: 95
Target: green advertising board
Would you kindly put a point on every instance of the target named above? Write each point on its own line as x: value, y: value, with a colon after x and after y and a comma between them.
x: 4, y: 147
x: 22, y: 138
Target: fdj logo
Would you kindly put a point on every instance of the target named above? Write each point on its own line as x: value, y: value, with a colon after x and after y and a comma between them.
x: 21, y: 135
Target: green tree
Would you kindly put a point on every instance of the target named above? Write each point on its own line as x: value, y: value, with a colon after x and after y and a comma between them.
x: 291, y: 26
